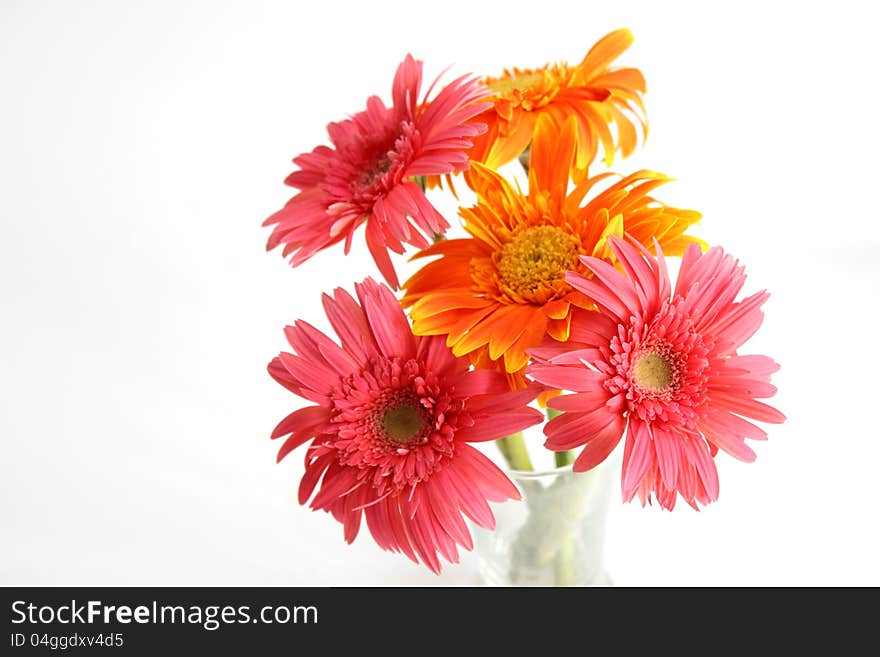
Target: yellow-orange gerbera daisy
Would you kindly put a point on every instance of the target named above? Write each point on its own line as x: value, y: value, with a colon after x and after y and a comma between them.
x: 598, y: 95
x: 500, y: 291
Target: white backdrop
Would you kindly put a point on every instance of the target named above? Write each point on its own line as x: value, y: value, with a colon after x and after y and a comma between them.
x: 144, y: 142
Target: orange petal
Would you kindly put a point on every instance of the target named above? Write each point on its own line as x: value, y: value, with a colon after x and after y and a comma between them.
x: 546, y: 396
x: 516, y: 358
x: 551, y: 156
x: 557, y: 309
x: 509, y: 146
x: 434, y: 304
x: 606, y: 50
x: 510, y: 325
x: 558, y: 329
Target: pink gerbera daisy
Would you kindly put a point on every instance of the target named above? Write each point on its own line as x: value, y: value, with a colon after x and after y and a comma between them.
x: 664, y: 363
x: 367, y: 176
x: 392, y: 418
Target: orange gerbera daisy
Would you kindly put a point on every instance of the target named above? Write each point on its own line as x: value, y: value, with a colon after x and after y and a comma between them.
x: 497, y: 293
x: 594, y: 92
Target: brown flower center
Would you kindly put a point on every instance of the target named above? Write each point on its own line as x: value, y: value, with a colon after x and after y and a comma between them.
x: 403, y: 422
x: 375, y: 170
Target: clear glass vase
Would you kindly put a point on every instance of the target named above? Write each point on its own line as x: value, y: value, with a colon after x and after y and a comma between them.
x: 554, y: 536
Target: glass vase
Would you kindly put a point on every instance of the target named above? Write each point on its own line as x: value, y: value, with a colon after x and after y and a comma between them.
x: 555, y: 535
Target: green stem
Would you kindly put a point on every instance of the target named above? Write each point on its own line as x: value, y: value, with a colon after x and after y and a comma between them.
x: 564, y: 458
x: 513, y: 449
x: 563, y: 564
x: 504, y: 449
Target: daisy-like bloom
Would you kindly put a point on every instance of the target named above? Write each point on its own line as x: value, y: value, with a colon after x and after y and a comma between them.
x: 367, y: 176
x: 663, y: 366
x: 390, y: 427
x: 500, y: 291
x: 598, y: 95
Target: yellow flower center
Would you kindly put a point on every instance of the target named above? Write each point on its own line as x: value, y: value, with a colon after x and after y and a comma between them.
x: 508, y: 84
x: 652, y: 371
x: 532, y: 265
x: 529, y: 89
x: 402, y: 423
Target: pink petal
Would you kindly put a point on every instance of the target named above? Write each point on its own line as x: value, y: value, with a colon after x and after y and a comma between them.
x: 571, y: 430
x: 666, y: 450
x: 600, y: 294
x: 352, y: 513
x: 437, y: 357
x: 638, y: 457
x: 395, y: 517
x: 314, y: 471
x: 376, y: 245
x: 600, y: 445
x: 304, y: 418
x: 494, y: 426
x: 312, y: 374
x: 758, y: 366
x: 479, y: 382
x: 698, y: 454
x: 328, y: 350
x: 387, y: 321
x: 348, y: 320
x: 614, y: 282
x: 566, y: 377
x: 338, y: 481
x: 472, y: 502
x: 592, y: 328
x: 406, y: 86
x: 420, y: 539
x: 479, y: 468
x: 640, y: 272
x: 748, y: 407
x: 447, y: 514
x: 580, y: 402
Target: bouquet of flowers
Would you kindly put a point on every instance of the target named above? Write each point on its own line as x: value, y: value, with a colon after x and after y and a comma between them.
x: 554, y: 306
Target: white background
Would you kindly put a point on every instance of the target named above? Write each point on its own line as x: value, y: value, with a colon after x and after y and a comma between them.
x: 142, y: 145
